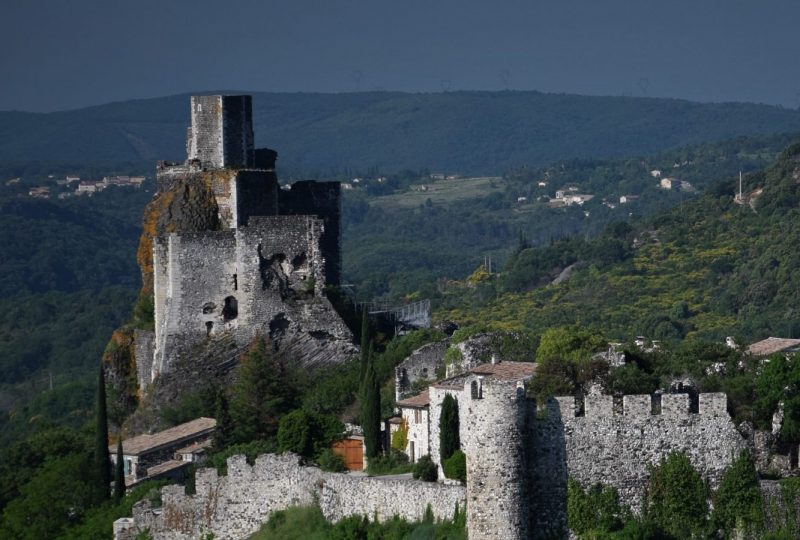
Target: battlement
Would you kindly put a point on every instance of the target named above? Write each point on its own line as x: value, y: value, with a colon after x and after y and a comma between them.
x: 638, y: 406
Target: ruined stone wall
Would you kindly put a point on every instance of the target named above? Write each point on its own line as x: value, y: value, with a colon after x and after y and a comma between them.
x: 492, y: 419
x: 321, y: 199
x: 144, y: 349
x: 235, y: 506
x: 267, y: 278
x: 420, y: 365
x: 192, y: 291
x: 616, y: 449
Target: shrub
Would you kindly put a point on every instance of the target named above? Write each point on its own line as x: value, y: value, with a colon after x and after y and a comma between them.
x: 737, y: 502
x: 597, y: 510
x: 455, y: 467
x: 400, y: 437
x: 425, y: 469
x: 677, y: 497
x: 330, y: 461
x: 395, y: 463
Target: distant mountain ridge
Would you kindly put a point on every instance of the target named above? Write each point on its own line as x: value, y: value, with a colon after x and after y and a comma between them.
x: 462, y: 132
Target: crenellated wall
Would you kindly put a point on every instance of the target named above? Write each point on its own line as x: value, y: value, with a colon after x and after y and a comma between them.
x: 617, y: 449
x: 236, y: 505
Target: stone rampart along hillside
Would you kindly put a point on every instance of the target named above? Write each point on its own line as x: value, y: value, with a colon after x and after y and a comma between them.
x: 617, y: 449
x: 236, y: 505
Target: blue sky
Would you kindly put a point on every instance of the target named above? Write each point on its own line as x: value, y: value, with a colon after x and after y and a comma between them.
x: 59, y: 54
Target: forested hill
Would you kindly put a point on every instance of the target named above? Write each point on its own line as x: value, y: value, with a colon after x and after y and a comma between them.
x: 708, y: 268
x: 460, y: 132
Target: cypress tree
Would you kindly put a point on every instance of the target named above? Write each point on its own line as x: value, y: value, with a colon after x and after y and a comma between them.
x: 223, y: 432
x: 119, y: 473
x: 449, y: 440
x: 101, y: 460
x: 365, y: 343
x: 371, y: 410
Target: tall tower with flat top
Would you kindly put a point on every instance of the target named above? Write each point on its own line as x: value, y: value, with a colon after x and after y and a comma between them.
x: 221, y: 134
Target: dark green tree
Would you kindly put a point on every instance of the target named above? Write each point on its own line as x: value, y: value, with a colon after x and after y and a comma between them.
x: 737, y: 502
x: 223, y: 434
x: 676, y: 498
x: 449, y: 439
x: 266, y: 389
x: 371, y: 410
x: 119, y: 473
x: 365, y: 342
x: 101, y: 460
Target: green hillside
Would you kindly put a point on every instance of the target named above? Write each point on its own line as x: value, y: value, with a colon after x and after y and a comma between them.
x: 708, y: 268
x: 466, y: 132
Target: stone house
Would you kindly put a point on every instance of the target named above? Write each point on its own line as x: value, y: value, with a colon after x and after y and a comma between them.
x: 415, y: 419
x: 165, y: 454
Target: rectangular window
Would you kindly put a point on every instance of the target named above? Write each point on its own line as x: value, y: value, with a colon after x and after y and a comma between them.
x: 417, y: 416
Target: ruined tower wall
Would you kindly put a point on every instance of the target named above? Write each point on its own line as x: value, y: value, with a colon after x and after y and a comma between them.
x: 616, y: 449
x: 193, y: 276
x: 321, y: 199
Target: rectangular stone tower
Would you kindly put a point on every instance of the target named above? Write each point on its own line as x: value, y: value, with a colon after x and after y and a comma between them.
x: 221, y: 134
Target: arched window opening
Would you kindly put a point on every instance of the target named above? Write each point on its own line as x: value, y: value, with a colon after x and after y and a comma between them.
x: 209, y: 327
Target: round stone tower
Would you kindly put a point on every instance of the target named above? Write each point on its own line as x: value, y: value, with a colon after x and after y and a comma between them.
x: 492, y: 414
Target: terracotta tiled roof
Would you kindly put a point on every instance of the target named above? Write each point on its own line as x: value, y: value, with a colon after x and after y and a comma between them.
x: 504, y: 371
x: 143, y: 444
x: 771, y: 345
x: 418, y: 401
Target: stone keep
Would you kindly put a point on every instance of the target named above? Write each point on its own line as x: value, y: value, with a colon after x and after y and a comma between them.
x: 261, y: 269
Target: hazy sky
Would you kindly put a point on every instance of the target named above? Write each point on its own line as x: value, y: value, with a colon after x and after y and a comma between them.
x: 59, y: 54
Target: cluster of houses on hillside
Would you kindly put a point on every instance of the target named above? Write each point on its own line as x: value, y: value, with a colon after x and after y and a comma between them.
x: 83, y: 187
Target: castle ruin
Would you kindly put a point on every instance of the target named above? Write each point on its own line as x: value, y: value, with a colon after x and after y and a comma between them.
x: 244, y: 256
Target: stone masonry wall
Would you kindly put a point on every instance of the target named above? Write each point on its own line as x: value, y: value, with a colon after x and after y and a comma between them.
x: 616, y: 449
x: 235, y: 506
x: 420, y: 365
x: 266, y: 278
x: 492, y: 419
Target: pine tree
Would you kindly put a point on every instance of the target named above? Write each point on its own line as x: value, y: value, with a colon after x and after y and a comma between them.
x: 265, y: 391
x: 101, y: 460
x: 371, y: 410
x: 449, y: 439
x: 119, y: 473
